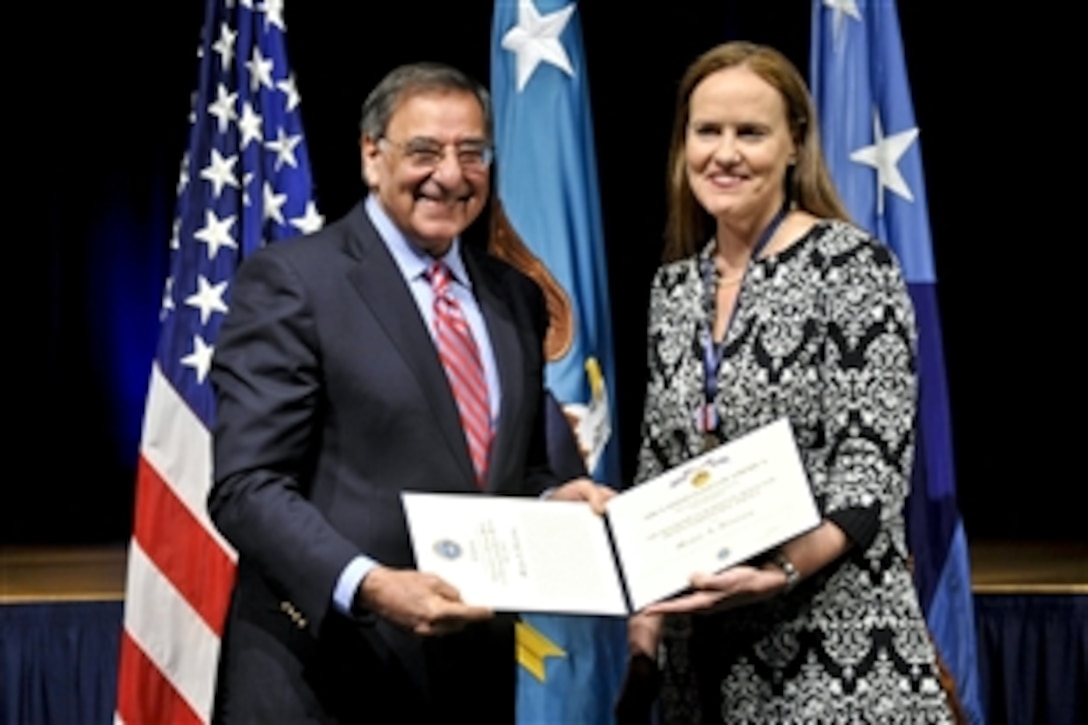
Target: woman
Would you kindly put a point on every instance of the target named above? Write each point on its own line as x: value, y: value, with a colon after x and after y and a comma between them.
x: 770, y: 304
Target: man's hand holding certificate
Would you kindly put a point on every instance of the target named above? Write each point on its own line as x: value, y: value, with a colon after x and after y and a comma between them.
x: 710, y: 513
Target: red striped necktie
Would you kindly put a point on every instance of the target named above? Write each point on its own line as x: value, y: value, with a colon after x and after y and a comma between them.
x: 464, y: 368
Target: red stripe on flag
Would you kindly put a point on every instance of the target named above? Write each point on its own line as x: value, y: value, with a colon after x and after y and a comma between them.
x: 181, y: 548
x: 142, y: 689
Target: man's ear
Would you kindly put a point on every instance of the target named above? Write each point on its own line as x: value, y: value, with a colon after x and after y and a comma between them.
x: 370, y: 153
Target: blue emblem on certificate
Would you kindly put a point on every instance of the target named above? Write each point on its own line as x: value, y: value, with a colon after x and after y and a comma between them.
x: 447, y: 549
x: 724, y: 553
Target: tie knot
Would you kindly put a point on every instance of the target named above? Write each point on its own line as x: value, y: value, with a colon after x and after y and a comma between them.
x: 439, y: 276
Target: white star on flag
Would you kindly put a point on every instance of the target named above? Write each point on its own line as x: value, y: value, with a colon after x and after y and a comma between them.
x: 273, y: 13
x: 250, y: 126
x: 246, y: 178
x: 287, y: 85
x: 309, y: 222
x: 220, y: 172
x: 884, y: 156
x: 215, y: 233
x: 284, y: 146
x: 273, y: 203
x: 223, y: 107
x: 843, y: 7
x: 175, y: 230
x: 225, y: 45
x: 260, y: 70
x: 167, y: 298
x: 535, y: 39
x: 200, y: 359
x: 208, y: 298
x: 183, y: 176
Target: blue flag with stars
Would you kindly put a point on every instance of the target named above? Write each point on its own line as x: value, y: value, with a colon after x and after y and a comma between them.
x: 245, y: 181
x: 871, y: 140
x: 547, y: 222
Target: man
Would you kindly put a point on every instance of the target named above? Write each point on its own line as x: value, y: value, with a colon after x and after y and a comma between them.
x: 334, y: 396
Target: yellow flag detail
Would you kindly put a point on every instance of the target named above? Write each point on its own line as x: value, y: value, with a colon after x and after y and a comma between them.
x: 533, y: 647
x: 596, y: 378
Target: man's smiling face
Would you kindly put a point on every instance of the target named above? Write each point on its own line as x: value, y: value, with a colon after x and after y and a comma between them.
x: 430, y: 202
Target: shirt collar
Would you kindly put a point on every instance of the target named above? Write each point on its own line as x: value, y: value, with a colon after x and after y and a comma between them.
x: 412, y: 261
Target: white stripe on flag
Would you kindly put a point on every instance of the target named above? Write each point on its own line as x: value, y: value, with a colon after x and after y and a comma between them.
x: 170, y: 632
x: 172, y: 439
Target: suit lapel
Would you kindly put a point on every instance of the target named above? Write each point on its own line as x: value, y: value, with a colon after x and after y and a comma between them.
x: 508, y: 361
x: 379, y: 282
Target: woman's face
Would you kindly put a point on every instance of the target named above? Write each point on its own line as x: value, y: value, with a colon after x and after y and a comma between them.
x: 738, y: 147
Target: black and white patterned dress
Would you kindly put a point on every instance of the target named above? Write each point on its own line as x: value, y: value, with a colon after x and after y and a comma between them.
x: 823, y: 333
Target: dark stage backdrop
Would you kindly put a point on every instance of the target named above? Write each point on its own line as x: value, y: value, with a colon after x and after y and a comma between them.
x: 103, y: 129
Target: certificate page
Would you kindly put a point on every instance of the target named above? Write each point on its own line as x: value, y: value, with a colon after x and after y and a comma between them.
x: 714, y: 511
x: 517, y: 554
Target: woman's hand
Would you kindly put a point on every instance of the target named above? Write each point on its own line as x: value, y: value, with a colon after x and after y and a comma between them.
x: 743, y: 584
x: 734, y: 587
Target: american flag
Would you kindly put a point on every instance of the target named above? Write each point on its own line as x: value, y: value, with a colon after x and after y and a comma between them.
x: 245, y: 181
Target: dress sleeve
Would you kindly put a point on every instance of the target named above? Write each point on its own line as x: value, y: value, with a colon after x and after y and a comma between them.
x: 870, y: 389
x: 860, y: 524
x: 674, y: 374
x: 650, y: 460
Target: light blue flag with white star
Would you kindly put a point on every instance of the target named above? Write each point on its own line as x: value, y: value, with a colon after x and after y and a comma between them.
x: 871, y: 140
x: 546, y: 179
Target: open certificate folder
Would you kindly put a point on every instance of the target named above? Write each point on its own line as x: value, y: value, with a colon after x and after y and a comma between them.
x: 534, y: 555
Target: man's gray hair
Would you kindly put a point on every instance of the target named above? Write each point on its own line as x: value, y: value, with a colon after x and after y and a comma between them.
x: 409, y: 80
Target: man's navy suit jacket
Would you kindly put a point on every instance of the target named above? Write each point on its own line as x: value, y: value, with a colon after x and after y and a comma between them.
x: 331, y: 400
